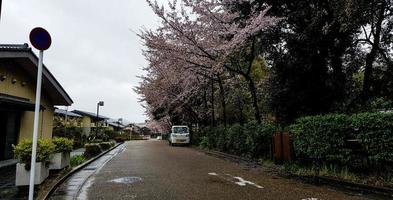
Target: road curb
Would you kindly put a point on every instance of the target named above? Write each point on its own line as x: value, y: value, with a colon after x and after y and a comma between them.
x: 335, y: 183
x: 76, y: 169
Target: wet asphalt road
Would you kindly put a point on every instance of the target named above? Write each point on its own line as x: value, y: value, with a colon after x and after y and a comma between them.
x: 156, y: 170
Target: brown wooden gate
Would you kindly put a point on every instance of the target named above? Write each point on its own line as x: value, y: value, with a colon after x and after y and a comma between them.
x: 282, y: 148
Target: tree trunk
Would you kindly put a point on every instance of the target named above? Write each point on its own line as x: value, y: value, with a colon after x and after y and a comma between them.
x: 368, y: 71
x: 253, y: 90
x: 205, y: 107
x: 212, y: 101
x: 222, y: 98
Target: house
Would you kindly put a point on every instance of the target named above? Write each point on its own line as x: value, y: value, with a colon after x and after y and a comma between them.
x: 67, y: 118
x: 65, y: 121
x: 90, y: 121
x: 18, y: 71
x: 115, y: 125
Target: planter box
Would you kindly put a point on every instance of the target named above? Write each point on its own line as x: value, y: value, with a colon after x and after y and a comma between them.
x: 60, y: 160
x: 22, y: 177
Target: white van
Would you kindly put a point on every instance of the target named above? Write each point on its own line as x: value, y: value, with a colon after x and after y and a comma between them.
x: 179, y: 135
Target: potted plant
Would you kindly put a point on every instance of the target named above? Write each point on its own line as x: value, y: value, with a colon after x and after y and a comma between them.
x: 61, y: 156
x: 22, y: 152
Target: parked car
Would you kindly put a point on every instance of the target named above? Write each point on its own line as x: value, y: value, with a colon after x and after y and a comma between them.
x: 179, y: 135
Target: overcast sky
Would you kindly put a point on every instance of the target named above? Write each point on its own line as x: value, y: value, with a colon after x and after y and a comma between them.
x: 95, y: 53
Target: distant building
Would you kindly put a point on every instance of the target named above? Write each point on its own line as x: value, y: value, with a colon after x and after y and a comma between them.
x: 90, y: 120
x: 18, y: 72
x: 115, y: 125
x: 67, y: 118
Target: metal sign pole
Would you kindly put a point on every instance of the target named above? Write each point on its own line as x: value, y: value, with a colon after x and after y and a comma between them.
x: 36, y: 120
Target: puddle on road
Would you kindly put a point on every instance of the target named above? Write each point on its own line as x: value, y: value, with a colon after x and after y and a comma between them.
x: 127, y: 180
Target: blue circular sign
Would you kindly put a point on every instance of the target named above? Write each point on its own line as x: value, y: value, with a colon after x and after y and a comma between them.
x: 40, y: 38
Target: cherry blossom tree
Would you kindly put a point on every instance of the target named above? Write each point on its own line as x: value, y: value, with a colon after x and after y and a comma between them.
x: 197, y: 43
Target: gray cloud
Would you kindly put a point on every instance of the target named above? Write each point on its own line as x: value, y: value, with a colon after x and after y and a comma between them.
x: 95, y: 53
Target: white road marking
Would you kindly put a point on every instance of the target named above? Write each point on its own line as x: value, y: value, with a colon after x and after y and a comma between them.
x: 239, y: 180
x: 312, y: 198
x: 243, y: 182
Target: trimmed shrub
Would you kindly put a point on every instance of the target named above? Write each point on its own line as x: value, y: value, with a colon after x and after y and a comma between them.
x: 92, y: 149
x: 375, y: 131
x: 122, y: 138
x: 105, y: 145
x: 322, y: 138
x: 136, y: 137
x: 22, y: 151
x: 259, y: 139
x: 77, y: 160
x: 251, y: 140
x: 62, y: 144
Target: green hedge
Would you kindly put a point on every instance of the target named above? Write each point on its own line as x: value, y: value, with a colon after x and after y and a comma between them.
x: 325, y: 139
x: 375, y: 130
x: 106, y: 145
x: 92, y: 149
x: 322, y: 138
x: 250, y: 140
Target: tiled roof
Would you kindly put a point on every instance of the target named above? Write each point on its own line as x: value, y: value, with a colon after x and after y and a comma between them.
x: 65, y: 112
x: 15, y: 47
x: 90, y: 114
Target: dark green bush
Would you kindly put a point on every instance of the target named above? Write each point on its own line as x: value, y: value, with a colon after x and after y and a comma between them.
x: 105, y: 145
x: 251, y: 140
x: 92, y: 149
x: 375, y: 130
x: 112, y: 134
x: 77, y: 160
x: 260, y: 139
x: 322, y: 138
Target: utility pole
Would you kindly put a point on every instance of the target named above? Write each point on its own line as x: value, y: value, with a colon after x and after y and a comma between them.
x: 1, y: 1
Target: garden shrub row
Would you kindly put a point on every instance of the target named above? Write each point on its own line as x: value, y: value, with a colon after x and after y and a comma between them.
x: 252, y: 140
x: 95, y: 148
x: 45, y: 148
x: 339, y: 139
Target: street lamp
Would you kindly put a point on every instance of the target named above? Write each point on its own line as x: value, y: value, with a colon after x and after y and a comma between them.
x: 100, y: 103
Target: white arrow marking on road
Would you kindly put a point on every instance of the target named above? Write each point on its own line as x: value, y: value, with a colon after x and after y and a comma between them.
x: 243, y: 182
x: 239, y: 180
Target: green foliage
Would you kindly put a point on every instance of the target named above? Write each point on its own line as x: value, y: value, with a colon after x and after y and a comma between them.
x: 121, y: 138
x: 112, y: 134
x: 77, y: 160
x: 251, y: 140
x: 106, y: 145
x: 375, y: 130
x: 136, y: 137
x: 62, y: 144
x: 325, y: 139
x: 260, y: 138
x: 92, y: 149
x: 322, y: 138
x: 45, y: 148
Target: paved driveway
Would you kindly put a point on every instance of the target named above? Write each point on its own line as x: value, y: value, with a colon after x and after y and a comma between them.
x: 154, y: 170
